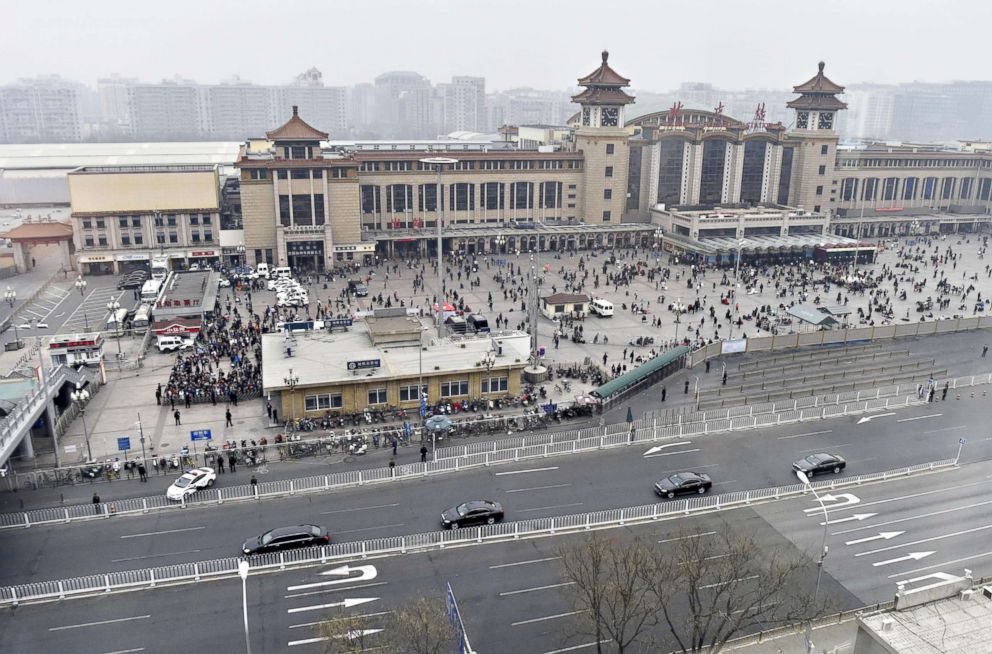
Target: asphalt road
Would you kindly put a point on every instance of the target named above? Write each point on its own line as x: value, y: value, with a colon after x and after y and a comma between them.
x: 531, y: 489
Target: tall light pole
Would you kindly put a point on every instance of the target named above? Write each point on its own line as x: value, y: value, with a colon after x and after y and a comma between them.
x: 81, y: 396
x: 678, y: 309
x: 141, y: 439
x: 243, y: 573
x: 112, y: 307
x: 823, y: 555
x: 292, y: 381
x: 439, y: 163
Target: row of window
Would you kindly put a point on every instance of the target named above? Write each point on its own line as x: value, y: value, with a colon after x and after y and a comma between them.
x: 912, y: 188
x: 858, y: 162
x: 398, y: 198
x: 170, y: 220
x: 408, y: 393
x: 513, y: 164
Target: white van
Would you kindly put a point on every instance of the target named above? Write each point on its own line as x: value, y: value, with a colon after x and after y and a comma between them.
x: 263, y: 270
x: 602, y: 308
x: 283, y: 271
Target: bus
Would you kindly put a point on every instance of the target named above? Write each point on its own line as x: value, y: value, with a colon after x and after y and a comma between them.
x: 142, y: 319
x: 150, y: 291
x: 117, y: 322
x: 160, y: 268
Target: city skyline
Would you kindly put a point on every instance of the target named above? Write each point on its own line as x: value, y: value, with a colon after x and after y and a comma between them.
x: 112, y: 37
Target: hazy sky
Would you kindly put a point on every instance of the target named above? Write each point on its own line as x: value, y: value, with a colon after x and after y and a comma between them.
x: 539, y: 43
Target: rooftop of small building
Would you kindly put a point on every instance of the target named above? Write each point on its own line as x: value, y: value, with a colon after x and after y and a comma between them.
x: 321, y: 358
x: 962, y: 625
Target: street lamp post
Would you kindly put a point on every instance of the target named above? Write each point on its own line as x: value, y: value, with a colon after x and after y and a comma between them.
x: 292, y: 381
x: 141, y: 439
x: 823, y: 555
x: 81, y: 396
x: 500, y: 242
x: 112, y: 307
x: 439, y: 163
x: 80, y: 284
x: 243, y: 573
x: 678, y: 318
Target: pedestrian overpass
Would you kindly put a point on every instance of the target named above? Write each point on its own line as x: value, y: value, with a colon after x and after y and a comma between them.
x: 15, y: 428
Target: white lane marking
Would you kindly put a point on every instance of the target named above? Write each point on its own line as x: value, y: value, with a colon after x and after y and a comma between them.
x: 651, y: 456
x: 159, y: 533
x: 521, y: 490
x: 127, y: 651
x: 942, y: 565
x: 353, y: 531
x: 306, y: 641
x: 361, y: 508
x: 932, y: 415
x: 532, y: 590
x: 659, y: 448
x: 520, y: 472
x: 877, y: 415
x: 724, y: 483
x: 849, y: 500
x: 809, y: 433
x: 153, y: 556
x: 856, y: 516
x: 336, y: 590
x: 359, y: 617
x: 724, y: 583
x: 95, y: 624
x: 346, y: 603
x: 912, y: 556
x: 547, y: 617
x: 923, y: 493
x: 351, y: 635
x: 912, y: 517
x: 545, y: 508
x: 575, y: 647
x: 510, y: 565
x: 928, y: 540
x: 672, y: 540
x: 820, y: 449
x: 937, y: 431
x: 882, y: 535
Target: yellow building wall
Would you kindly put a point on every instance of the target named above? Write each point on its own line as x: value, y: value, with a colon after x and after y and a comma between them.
x: 143, y: 192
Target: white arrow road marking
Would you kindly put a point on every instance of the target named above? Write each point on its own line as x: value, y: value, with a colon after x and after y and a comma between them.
x: 932, y: 415
x: 671, y: 453
x: 351, y: 635
x: 886, y: 535
x: 856, y: 516
x: 348, y: 603
x: 912, y: 556
x: 847, y: 497
x: 365, y: 572
x: 659, y: 448
x: 928, y: 540
x: 877, y: 415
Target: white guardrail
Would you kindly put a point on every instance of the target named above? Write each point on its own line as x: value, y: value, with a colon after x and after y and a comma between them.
x: 205, y: 570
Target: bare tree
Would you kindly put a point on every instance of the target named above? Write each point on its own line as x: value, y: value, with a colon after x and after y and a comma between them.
x: 711, y: 588
x: 348, y: 634
x: 610, y: 589
x: 422, y: 627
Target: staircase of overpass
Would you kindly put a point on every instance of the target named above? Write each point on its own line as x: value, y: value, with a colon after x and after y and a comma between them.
x: 15, y: 428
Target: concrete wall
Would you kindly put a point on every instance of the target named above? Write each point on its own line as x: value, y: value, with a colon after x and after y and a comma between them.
x: 96, y: 192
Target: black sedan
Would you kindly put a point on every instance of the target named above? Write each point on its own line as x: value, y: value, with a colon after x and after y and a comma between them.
x: 474, y: 512
x: 284, y: 538
x: 822, y: 462
x: 683, y: 482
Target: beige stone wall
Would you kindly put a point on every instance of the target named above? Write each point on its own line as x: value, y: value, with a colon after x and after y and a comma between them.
x: 902, y: 174
x: 344, y: 206
x: 96, y: 192
x: 592, y: 142
x: 259, y: 214
x: 806, y: 160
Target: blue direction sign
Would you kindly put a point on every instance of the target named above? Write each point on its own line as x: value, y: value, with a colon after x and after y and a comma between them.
x: 123, y: 443
x: 200, y: 435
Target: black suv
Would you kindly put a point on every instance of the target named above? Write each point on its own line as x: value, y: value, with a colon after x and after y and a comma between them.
x: 358, y: 288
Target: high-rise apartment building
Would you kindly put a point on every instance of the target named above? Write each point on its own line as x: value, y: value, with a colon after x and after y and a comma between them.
x: 403, y: 105
x: 464, y: 104
x: 170, y: 111
x: 113, y: 95
x: 44, y: 109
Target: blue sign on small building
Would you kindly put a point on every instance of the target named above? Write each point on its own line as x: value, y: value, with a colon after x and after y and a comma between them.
x: 200, y: 435
x: 123, y: 443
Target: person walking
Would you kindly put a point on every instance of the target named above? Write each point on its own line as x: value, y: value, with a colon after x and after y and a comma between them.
x: 707, y: 366
x: 254, y: 485
x: 423, y: 454
x: 158, y: 395
x: 686, y: 387
x: 394, y: 446
x: 664, y: 392
x: 392, y: 467
x: 142, y: 472
x: 220, y: 463
x: 231, y: 462
x: 176, y: 416
x: 96, y: 503
x: 985, y: 350
x: 227, y: 417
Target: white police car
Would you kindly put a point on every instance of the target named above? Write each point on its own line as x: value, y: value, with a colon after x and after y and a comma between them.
x: 190, y: 482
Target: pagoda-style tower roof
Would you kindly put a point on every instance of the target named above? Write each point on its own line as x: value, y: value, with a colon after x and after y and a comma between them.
x: 817, y: 93
x: 604, y: 86
x: 296, y: 129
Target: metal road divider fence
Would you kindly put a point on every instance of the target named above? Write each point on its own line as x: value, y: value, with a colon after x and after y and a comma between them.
x: 696, y: 424
x: 437, y: 540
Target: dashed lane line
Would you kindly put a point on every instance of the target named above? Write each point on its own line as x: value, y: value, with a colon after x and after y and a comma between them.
x: 101, y: 622
x: 511, y: 565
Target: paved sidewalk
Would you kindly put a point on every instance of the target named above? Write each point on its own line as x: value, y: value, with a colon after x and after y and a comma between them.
x: 833, y: 639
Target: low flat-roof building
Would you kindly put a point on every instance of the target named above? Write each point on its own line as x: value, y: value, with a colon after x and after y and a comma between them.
x: 378, y: 365
x: 187, y: 295
x: 565, y: 303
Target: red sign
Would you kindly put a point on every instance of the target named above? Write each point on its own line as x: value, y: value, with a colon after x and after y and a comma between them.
x: 205, y: 253
x: 55, y: 345
x: 176, y: 329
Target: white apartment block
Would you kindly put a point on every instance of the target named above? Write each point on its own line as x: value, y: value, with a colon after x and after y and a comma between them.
x: 40, y: 110
x: 464, y: 105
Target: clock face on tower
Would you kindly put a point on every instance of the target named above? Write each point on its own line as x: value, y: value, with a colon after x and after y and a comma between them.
x: 825, y: 121
x: 609, y: 116
x: 802, y: 120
